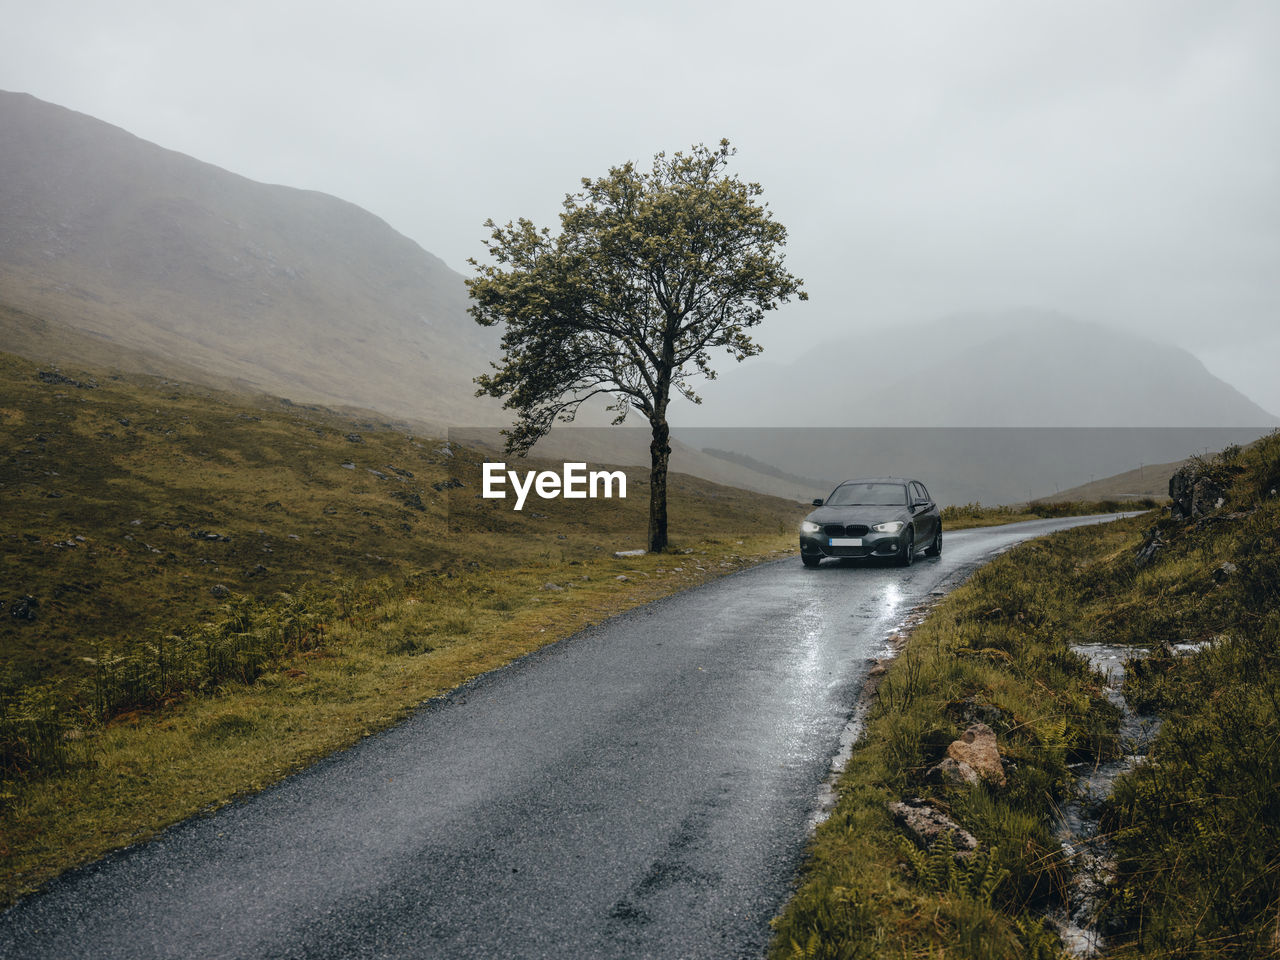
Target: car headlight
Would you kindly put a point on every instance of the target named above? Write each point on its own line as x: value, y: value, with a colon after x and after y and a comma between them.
x: 808, y: 526
x: 893, y: 526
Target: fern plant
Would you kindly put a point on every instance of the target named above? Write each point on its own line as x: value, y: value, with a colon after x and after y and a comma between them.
x: 974, y: 877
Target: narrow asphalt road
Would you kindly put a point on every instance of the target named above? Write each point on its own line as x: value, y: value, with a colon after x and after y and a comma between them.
x: 639, y: 790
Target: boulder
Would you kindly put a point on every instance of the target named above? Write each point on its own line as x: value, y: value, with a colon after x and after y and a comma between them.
x: 950, y: 770
x: 928, y: 825
x: 623, y: 554
x: 1193, y: 493
x: 973, y: 758
x: 24, y: 610
x: 1223, y: 572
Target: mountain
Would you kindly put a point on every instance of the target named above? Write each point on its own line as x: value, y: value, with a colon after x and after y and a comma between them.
x: 119, y: 253
x: 167, y: 264
x: 1012, y: 369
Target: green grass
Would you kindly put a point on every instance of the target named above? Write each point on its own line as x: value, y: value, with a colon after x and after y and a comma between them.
x: 1196, y: 830
x: 976, y: 515
x: 230, y: 588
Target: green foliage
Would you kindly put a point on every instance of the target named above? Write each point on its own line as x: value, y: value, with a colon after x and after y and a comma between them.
x: 974, y: 877
x: 649, y: 273
x: 35, y: 728
x: 237, y: 648
x: 1197, y: 831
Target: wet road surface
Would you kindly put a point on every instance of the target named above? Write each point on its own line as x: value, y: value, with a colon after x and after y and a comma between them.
x: 639, y: 790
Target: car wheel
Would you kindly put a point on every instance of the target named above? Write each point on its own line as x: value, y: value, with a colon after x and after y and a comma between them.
x: 908, y: 551
x: 935, y: 548
x: 810, y: 561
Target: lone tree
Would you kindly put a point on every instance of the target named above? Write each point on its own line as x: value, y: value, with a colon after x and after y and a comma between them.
x: 650, y: 272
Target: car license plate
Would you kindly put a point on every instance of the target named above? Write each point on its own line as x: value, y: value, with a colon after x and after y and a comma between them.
x: 846, y: 542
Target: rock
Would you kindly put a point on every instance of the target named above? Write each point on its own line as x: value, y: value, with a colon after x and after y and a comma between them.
x: 1194, y: 494
x: 878, y: 670
x: 623, y: 554
x: 974, y: 710
x: 220, y: 591
x: 623, y: 577
x: 553, y: 586
x: 453, y: 483
x: 24, y: 610
x: 973, y: 758
x: 928, y: 825
x: 950, y: 770
x: 410, y: 499
x: 1224, y: 572
x: 354, y: 438
x: 1150, y: 547
x: 48, y: 376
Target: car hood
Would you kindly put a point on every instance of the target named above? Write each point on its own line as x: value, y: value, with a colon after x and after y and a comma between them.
x: 858, y: 514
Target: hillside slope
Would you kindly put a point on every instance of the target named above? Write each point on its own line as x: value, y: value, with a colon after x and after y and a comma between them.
x: 290, y: 291
x: 108, y: 481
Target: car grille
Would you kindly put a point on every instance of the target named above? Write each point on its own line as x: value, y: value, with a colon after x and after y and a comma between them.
x: 853, y: 530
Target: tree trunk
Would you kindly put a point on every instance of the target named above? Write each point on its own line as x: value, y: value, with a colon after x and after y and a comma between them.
x: 659, y: 454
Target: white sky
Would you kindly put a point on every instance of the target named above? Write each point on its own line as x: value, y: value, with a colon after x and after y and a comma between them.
x: 1115, y: 161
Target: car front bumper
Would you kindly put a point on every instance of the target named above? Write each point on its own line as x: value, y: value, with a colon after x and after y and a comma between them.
x: 871, y: 545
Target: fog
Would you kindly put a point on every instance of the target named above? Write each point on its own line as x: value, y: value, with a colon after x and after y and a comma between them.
x: 1117, y: 163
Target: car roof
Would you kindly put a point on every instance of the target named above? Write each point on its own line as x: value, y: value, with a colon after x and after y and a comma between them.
x: 879, y: 480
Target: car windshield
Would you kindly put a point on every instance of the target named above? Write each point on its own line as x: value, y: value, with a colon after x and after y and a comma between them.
x: 869, y: 495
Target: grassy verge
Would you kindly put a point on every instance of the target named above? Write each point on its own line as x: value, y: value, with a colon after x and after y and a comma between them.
x: 1195, y: 830
x: 204, y: 593
x: 976, y: 515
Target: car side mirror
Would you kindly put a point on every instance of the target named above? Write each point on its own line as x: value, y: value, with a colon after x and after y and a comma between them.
x: 817, y: 502
x: 920, y: 503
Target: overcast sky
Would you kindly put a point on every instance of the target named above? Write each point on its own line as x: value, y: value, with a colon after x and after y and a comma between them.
x: 1115, y: 161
